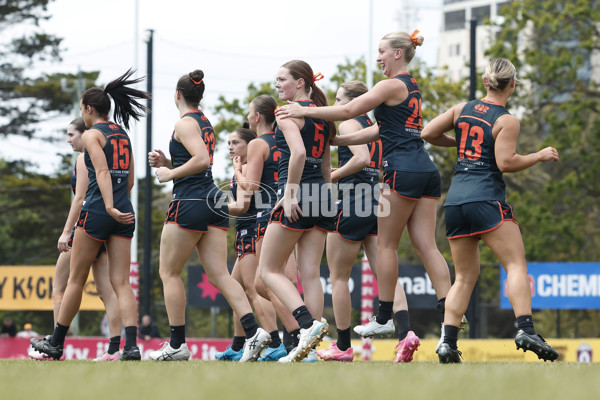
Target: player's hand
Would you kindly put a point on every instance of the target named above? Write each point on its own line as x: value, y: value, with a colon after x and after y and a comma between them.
x: 122, y: 218
x: 290, y: 206
x: 291, y: 110
x: 237, y: 163
x: 63, y: 242
x: 164, y: 174
x: 157, y: 159
x: 548, y: 154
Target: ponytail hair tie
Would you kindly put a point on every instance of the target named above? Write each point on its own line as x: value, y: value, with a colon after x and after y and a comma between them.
x: 195, y: 82
x: 414, y: 38
x: 317, y: 77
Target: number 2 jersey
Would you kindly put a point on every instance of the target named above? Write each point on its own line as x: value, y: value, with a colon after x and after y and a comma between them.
x: 476, y: 177
x: 201, y: 185
x: 400, y: 132
x: 117, y: 151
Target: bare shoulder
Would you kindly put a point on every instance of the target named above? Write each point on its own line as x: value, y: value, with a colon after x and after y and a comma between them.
x: 349, y: 126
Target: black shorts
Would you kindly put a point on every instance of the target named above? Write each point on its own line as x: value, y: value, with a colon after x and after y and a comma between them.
x: 245, y: 242
x: 473, y: 219
x: 414, y: 185
x: 197, y: 215
x: 100, y: 251
x: 356, y: 218
x: 317, y: 208
x: 101, y: 227
x: 261, y: 228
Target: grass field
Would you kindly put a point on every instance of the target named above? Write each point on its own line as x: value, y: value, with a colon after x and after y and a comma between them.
x: 28, y: 379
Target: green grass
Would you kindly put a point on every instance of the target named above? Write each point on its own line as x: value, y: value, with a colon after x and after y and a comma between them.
x: 28, y: 379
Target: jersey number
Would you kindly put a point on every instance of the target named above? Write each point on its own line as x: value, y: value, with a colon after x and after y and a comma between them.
x: 375, y: 147
x: 317, y: 150
x: 416, y: 114
x: 276, y: 157
x: 475, y: 133
x: 120, y: 153
x: 209, y: 139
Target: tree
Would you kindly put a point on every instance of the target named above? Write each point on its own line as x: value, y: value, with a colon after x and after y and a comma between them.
x: 553, y: 44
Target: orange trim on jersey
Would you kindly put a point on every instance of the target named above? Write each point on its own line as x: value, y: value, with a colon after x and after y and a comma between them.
x: 492, y: 102
x: 401, y: 73
x: 479, y: 119
x: 116, y: 134
x: 415, y: 91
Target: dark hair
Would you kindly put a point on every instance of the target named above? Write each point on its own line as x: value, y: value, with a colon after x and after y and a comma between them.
x: 245, y: 134
x: 191, y: 87
x: 300, y: 69
x: 124, y: 97
x: 79, y: 124
x: 265, y: 105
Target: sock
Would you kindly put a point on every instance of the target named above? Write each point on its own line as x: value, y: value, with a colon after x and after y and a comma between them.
x: 287, y: 340
x: 130, y: 337
x: 113, y: 345
x: 238, y: 343
x: 59, y: 335
x: 275, y: 339
x: 525, y: 323
x: 343, y: 341
x: 385, y: 312
x: 295, y: 338
x: 249, y: 324
x: 303, y: 317
x: 177, y: 336
x: 451, y: 336
x: 403, y: 323
x: 441, y: 306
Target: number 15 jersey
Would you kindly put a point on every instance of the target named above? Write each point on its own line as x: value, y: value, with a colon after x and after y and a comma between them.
x: 117, y: 151
x: 476, y: 177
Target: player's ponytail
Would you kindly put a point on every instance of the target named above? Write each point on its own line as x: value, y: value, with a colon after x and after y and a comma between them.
x: 499, y: 73
x: 123, y: 96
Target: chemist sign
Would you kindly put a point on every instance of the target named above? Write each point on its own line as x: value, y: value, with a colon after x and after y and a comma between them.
x: 555, y: 285
x: 30, y: 288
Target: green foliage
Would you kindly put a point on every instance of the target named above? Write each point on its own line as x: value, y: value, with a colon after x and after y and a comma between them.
x: 551, y: 44
x: 31, y: 202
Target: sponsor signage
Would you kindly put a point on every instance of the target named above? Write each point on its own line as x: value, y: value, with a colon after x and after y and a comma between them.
x: 30, y: 288
x: 559, y: 285
x: 414, y: 279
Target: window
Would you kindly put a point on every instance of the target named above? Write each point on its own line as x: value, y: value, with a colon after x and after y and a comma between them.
x: 454, y: 20
x: 480, y: 13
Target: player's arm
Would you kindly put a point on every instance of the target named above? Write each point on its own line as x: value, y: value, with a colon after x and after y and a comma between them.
x: 80, y: 191
x: 435, y: 131
x: 360, y: 153
x: 258, y: 153
x: 389, y: 89
x: 506, y: 131
x: 188, y: 133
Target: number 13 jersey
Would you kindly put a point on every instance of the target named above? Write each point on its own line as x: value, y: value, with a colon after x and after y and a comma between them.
x: 476, y: 177
x: 118, y: 157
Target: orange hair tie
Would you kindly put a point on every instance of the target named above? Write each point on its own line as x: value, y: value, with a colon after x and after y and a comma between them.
x: 317, y: 77
x: 414, y: 38
x: 195, y: 82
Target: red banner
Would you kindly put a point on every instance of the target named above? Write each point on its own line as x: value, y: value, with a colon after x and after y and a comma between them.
x: 85, y: 348
x: 369, y: 290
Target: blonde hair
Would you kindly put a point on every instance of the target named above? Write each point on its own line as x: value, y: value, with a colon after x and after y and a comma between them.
x: 353, y: 89
x: 499, y: 73
x: 404, y: 41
